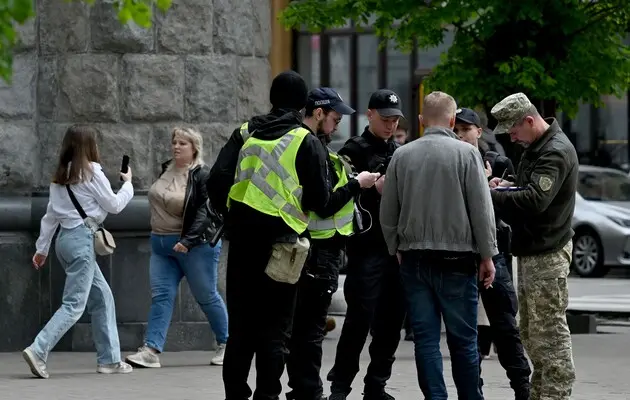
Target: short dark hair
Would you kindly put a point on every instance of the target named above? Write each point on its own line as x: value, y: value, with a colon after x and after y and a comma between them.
x: 403, y: 124
x: 309, y: 110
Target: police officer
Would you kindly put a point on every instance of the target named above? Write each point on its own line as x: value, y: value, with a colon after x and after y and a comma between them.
x: 372, y: 288
x: 499, y: 301
x: 328, y: 228
x: 280, y: 174
x: 540, y: 214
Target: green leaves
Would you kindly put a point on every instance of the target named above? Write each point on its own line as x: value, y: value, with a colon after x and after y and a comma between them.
x: 14, y: 12
x: 569, y: 51
x: 139, y: 11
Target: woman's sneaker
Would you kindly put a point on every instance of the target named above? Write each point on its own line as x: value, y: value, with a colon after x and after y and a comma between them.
x: 116, y: 368
x: 145, y: 357
x: 36, y: 364
x: 219, y: 355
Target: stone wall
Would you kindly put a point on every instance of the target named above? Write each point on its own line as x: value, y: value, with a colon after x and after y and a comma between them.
x: 204, y: 65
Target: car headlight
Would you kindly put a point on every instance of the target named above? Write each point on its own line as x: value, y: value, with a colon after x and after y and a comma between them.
x: 621, y: 221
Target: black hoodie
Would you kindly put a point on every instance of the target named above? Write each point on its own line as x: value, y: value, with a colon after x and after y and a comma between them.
x: 310, y: 164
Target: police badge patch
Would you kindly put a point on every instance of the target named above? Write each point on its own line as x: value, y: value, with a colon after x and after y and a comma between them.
x: 545, y: 183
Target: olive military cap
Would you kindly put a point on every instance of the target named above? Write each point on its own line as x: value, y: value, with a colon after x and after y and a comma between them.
x: 510, y: 111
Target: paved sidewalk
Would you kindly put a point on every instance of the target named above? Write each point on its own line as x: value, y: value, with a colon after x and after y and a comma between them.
x: 602, y: 361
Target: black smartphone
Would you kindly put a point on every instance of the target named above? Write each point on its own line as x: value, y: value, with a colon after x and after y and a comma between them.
x: 379, y: 168
x: 125, y: 165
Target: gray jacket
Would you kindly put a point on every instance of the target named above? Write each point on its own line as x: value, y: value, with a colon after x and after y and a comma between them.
x: 436, y: 197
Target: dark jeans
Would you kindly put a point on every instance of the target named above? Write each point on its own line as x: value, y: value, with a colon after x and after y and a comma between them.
x: 315, y: 290
x: 501, y: 307
x: 373, y: 293
x: 484, y: 341
x: 260, y: 312
x: 436, y: 286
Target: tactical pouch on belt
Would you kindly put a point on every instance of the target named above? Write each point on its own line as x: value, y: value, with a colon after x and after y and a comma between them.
x: 287, y: 260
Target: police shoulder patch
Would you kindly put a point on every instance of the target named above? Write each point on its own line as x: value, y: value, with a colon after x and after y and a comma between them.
x: 545, y: 182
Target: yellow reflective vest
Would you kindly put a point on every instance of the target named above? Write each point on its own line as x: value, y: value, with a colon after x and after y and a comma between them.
x: 266, y: 179
x: 342, y: 220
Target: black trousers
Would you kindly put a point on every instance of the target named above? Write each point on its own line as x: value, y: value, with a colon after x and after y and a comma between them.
x: 375, y: 300
x: 501, y: 307
x: 260, y: 312
x: 315, y: 289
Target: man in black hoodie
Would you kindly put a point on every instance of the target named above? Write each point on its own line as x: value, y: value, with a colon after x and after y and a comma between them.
x: 260, y: 309
x: 499, y: 300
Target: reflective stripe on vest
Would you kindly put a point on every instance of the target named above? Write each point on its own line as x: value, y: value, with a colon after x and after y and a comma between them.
x: 245, y: 131
x: 331, y: 223
x: 342, y: 220
x: 268, y: 162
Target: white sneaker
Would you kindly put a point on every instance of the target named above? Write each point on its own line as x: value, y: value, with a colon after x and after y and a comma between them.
x: 218, y: 356
x: 116, y: 368
x: 145, y: 357
x: 37, y: 365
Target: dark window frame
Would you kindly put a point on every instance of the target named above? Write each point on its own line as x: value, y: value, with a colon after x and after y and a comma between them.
x: 324, y: 56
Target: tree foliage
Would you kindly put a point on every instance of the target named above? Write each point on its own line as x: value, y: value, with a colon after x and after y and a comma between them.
x: 559, y: 52
x: 13, y: 12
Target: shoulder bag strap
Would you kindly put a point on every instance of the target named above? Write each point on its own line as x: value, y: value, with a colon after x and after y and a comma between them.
x: 76, y: 203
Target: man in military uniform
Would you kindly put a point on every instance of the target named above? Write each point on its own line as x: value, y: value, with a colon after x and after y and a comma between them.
x: 540, y: 211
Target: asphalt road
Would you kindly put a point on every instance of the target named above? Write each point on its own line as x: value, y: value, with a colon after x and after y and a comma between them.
x: 609, y: 295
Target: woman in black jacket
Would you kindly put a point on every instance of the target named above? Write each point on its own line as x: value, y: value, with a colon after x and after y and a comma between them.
x: 179, y: 218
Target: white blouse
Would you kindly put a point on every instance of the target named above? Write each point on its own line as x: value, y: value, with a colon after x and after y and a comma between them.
x: 95, y: 196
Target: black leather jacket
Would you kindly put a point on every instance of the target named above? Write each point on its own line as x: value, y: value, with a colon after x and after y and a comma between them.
x: 195, y: 211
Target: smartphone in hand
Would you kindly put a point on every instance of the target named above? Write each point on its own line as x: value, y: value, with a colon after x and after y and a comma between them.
x: 125, y: 165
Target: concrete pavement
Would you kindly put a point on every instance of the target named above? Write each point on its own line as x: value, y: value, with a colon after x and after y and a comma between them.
x: 600, y: 360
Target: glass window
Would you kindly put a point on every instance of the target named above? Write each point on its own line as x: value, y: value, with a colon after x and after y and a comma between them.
x: 398, y: 75
x: 367, y: 76
x: 613, y: 119
x: 581, y: 128
x: 340, y: 81
x: 430, y: 58
x: 606, y: 185
x: 308, y: 59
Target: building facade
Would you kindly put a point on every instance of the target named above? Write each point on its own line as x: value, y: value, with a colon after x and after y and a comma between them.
x: 349, y: 60
x: 205, y: 64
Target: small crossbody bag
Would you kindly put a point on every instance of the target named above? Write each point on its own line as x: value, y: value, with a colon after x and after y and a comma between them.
x: 104, y: 243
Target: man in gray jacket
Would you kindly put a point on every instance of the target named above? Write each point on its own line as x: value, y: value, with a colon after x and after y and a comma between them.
x: 436, y: 214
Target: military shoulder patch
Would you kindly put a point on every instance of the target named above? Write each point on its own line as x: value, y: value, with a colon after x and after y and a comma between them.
x: 545, y: 182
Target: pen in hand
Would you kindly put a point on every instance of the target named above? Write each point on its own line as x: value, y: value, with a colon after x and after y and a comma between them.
x: 503, y: 175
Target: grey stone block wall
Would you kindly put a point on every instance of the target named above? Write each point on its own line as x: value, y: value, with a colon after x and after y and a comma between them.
x: 204, y: 64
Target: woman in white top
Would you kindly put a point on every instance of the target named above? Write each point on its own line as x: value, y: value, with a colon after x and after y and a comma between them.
x: 79, y: 171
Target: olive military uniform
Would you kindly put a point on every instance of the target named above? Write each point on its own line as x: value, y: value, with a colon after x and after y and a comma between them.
x: 540, y: 216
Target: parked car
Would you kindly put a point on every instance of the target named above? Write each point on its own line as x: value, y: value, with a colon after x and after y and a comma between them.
x: 601, y: 221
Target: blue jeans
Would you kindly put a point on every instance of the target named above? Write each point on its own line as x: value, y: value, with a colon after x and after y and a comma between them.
x: 85, y: 287
x: 166, y: 270
x: 435, y: 287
